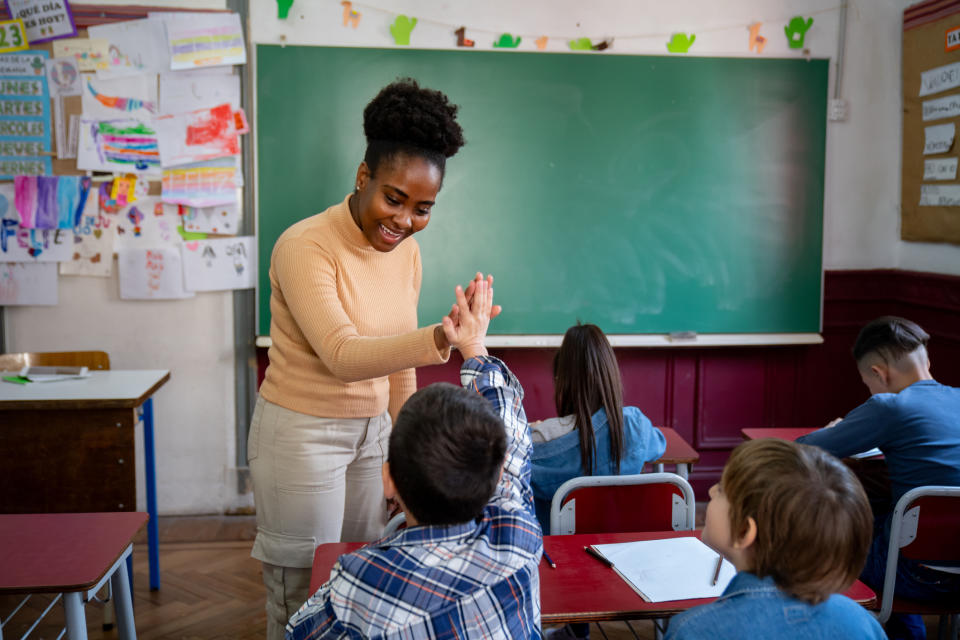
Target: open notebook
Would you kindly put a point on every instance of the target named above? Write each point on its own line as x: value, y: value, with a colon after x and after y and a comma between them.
x: 668, y: 569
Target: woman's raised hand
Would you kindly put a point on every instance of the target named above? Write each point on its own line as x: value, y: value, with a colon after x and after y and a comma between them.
x: 472, y: 318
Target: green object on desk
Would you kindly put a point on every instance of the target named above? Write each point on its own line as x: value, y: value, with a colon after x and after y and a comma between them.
x: 645, y: 194
x: 16, y: 379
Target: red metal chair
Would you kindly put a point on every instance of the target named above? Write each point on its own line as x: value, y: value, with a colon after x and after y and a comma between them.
x: 925, y: 526
x: 615, y: 504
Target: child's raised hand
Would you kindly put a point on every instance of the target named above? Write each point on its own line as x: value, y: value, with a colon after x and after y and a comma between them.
x: 473, y: 319
x: 494, y: 311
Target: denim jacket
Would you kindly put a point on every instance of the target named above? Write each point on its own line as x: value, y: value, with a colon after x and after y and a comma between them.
x: 753, y: 607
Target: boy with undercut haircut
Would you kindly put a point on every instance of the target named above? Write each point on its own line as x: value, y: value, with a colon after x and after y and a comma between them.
x: 795, y: 523
x: 466, y: 566
x: 915, y: 421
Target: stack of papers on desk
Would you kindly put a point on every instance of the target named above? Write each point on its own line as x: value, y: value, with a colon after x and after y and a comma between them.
x: 668, y: 569
x: 50, y: 374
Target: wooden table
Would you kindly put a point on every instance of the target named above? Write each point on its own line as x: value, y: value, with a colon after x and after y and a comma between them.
x: 580, y: 589
x: 73, y: 554
x: 784, y: 433
x: 68, y: 446
x: 678, y: 452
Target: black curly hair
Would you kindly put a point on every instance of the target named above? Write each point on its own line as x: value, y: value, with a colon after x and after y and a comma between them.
x: 407, y: 119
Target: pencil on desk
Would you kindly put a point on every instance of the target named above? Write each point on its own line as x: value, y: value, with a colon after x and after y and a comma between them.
x: 549, y: 559
x: 596, y: 554
x: 716, y: 572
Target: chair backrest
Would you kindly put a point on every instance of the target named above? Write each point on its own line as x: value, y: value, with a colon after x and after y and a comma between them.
x: 93, y: 360
x: 925, y: 526
x: 398, y: 521
x: 613, y: 504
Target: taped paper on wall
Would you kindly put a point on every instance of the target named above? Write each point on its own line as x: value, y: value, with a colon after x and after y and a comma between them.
x: 935, y: 195
x: 940, y: 169
x: 938, y: 138
x: 135, y: 46
x: 28, y: 284
x: 151, y: 274
x: 946, y: 107
x: 220, y: 264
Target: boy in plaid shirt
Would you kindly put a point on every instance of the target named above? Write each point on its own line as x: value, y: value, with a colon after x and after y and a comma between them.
x: 459, y: 465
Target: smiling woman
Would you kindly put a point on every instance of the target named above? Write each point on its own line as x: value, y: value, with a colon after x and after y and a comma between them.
x: 345, y: 344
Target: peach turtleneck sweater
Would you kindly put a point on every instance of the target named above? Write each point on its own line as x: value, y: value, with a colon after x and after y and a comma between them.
x: 344, y: 321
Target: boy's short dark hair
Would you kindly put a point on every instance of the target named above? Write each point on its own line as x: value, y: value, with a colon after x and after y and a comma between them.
x: 446, y: 452
x: 889, y: 337
x: 814, y: 523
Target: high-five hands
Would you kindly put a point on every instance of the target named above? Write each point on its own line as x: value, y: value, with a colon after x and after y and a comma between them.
x: 467, y: 333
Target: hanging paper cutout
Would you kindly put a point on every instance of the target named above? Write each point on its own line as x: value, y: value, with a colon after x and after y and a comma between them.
x: 462, y: 40
x: 680, y: 42
x: 541, y: 42
x: 757, y: 41
x: 580, y: 44
x: 796, y: 31
x: 401, y: 28
x: 283, y: 8
x: 507, y: 41
x: 351, y: 17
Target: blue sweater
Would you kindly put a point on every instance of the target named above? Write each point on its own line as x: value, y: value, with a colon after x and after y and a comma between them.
x: 558, y: 460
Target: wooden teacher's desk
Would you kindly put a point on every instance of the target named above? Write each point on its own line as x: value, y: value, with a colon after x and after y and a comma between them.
x: 581, y: 588
x: 72, y: 554
x: 68, y: 446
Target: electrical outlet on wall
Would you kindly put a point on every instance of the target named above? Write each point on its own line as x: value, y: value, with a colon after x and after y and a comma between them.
x: 837, y: 110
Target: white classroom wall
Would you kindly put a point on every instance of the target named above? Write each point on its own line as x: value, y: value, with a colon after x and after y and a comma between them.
x: 193, y: 338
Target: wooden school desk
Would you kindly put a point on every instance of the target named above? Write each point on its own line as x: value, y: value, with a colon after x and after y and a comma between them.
x: 68, y: 446
x: 581, y: 588
x: 678, y: 452
x: 72, y: 554
x: 784, y: 433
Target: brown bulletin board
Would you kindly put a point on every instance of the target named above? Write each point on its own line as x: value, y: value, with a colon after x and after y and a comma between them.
x: 924, y: 47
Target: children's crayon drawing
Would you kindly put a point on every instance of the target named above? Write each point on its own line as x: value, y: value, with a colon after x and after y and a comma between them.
x: 128, y: 97
x: 50, y: 202
x: 118, y: 145
x: 135, y: 46
x: 220, y: 264
x: 18, y: 244
x: 206, y: 184
x: 63, y: 77
x: 28, y: 284
x: 90, y: 53
x: 92, y: 253
x: 25, y: 119
x: 204, y: 40
x: 196, y: 136
x: 43, y: 19
x: 151, y: 274
x: 146, y: 224
x: 221, y: 219
x: 183, y: 91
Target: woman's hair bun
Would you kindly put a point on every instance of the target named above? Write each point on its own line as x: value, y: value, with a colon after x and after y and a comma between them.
x: 408, y: 116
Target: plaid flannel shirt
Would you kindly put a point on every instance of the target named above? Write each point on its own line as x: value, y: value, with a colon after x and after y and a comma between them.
x: 474, y: 580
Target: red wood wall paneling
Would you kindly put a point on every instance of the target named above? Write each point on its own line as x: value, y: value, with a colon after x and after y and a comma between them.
x: 708, y: 395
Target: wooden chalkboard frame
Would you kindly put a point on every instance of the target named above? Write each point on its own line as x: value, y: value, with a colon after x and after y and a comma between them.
x: 810, y: 190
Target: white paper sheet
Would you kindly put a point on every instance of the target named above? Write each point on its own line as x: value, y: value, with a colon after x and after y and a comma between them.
x: 938, y: 138
x: 934, y: 195
x: 93, y: 244
x: 28, y: 284
x: 151, y: 274
x: 183, y: 91
x: 669, y: 569
x: 219, y: 264
x: 940, y: 79
x: 145, y: 224
x: 115, y: 98
x: 945, y: 107
x: 63, y: 77
x: 223, y: 219
x: 136, y: 46
x: 203, y: 40
x: 940, y: 169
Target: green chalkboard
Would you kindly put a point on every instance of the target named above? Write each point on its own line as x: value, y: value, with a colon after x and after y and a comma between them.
x: 645, y: 194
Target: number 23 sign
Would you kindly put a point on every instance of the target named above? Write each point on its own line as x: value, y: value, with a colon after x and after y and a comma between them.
x: 12, y: 36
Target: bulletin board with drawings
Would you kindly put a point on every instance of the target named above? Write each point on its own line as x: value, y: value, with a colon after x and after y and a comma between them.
x: 120, y: 134
x: 930, y: 193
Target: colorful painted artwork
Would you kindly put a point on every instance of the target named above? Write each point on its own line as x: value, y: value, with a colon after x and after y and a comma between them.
x: 63, y: 77
x: 92, y: 253
x: 145, y: 225
x: 18, y: 244
x: 222, y: 219
x: 196, y: 136
x: 151, y: 274
x: 50, y: 202
x: 220, y: 264
x: 91, y: 54
x: 25, y: 119
x: 206, y: 184
x: 118, y: 145
x: 203, y: 40
x: 126, y: 97
x: 24, y: 284
x: 135, y: 46
x: 44, y: 19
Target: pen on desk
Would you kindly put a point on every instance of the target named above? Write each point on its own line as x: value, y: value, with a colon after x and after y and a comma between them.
x: 596, y: 554
x: 549, y: 559
x: 716, y: 572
